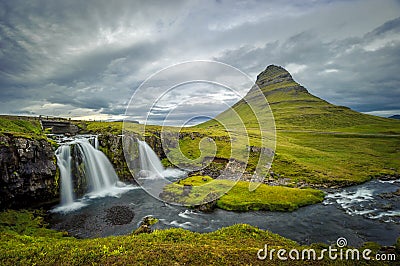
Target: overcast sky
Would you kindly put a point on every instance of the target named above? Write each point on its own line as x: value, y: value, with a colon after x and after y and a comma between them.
x: 86, y: 58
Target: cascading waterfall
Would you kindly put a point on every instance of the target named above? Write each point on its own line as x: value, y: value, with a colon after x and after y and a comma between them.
x: 86, y: 171
x: 152, y: 176
x: 96, y: 142
x: 100, y: 175
x: 150, y: 164
x: 63, y: 155
x: 99, y: 172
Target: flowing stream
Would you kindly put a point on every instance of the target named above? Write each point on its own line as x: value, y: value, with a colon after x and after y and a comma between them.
x: 150, y: 164
x: 367, y: 212
x: 63, y: 155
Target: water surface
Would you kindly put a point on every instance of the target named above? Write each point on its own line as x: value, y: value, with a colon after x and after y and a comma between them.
x: 367, y: 212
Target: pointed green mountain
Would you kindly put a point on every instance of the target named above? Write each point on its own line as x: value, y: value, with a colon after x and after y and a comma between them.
x: 317, y: 142
x: 294, y: 108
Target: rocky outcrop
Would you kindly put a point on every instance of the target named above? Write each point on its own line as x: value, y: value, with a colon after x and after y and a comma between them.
x: 154, y: 141
x: 59, y: 127
x: 272, y: 75
x: 145, y: 225
x: 28, y: 173
x: 277, y: 79
x: 111, y: 146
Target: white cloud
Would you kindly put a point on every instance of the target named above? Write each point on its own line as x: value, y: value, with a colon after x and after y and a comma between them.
x: 385, y: 113
x: 329, y: 71
x: 295, y: 68
x: 380, y: 43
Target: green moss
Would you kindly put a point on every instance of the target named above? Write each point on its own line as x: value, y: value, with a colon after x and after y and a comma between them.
x: 372, y: 246
x: 30, y: 223
x: 196, y: 190
x: 53, y: 143
x: 26, y: 127
x: 166, y: 163
x: 195, y: 180
x: 106, y: 127
x: 233, y: 245
x: 57, y: 180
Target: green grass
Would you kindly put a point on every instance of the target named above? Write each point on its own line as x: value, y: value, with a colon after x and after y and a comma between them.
x: 26, y: 127
x: 236, y: 196
x: 21, y: 244
x: 335, y: 159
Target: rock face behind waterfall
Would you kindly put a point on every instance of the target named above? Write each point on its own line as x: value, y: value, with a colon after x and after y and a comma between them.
x: 111, y: 146
x: 28, y: 173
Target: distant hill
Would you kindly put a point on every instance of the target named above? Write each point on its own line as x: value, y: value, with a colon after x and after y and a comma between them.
x: 395, y: 116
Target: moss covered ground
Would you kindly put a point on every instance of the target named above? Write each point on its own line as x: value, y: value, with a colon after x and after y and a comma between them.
x: 27, y: 127
x: 24, y: 240
x: 236, y: 196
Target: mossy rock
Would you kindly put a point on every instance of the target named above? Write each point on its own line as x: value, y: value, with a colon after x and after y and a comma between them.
x: 145, y: 225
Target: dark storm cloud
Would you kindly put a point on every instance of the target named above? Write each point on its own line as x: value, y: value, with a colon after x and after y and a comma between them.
x: 359, y: 72
x: 51, y: 52
x: 81, y: 58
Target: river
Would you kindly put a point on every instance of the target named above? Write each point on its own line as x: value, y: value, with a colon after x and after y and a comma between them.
x: 367, y: 212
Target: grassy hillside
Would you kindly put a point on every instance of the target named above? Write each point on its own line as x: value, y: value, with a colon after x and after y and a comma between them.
x: 317, y: 142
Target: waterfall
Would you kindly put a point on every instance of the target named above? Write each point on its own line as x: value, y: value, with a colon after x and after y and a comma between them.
x: 63, y: 154
x: 96, y: 142
x: 150, y: 164
x: 99, y: 174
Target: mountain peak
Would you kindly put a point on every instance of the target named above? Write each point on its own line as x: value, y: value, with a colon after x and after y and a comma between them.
x: 272, y: 71
x: 276, y: 78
